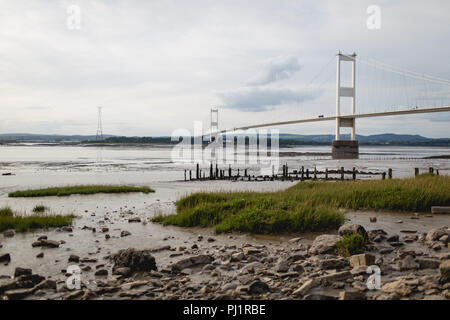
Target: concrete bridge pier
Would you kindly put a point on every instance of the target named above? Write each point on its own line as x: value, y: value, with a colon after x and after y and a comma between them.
x: 345, y: 149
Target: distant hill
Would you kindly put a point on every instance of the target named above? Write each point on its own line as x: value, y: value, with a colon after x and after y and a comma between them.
x: 30, y: 137
x: 285, y: 139
x: 377, y: 139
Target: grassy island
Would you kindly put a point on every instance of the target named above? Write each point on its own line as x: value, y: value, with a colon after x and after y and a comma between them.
x: 21, y: 223
x: 80, y: 189
x: 307, y: 206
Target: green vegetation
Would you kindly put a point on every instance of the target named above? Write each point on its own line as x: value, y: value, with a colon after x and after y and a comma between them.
x: 350, y: 245
x: 21, y: 223
x: 89, y: 189
x: 39, y: 208
x: 307, y: 206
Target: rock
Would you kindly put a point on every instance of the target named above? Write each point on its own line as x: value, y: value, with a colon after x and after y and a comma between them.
x: 305, y: 288
x: 325, y: 243
x: 46, y: 284
x: 22, y: 272
x: 6, y: 257
x: 328, y: 278
x: 237, y: 257
x: 427, y: 263
x: 101, y: 272
x: 282, y: 266
x: 134, y: 219
x: 125, y: 233
x: 40, y: 255
x: 17, y: 294
x: 398, y: 287
x: 46, y: 243
x: 351, y: 228
x: 333, y: 263
x: 136, y: 260
x: 67, y: 229
x: 191, y: 261
x: 393, y: 238
x: 294, y: 240
x: 444, y: 268
x: 123, y: 271
x: 407, y: 263
x: 435, y: 234
x: 250, y: 250
x: 351, y: 295
x: 211, y: 239
x: 364, y: 259
x: 373, y: 220
x: 258, y: 287
x: 74, y: 258
x: 9, y: 233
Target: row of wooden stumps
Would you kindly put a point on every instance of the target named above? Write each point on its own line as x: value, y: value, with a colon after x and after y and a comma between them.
x: 430, y: 171
x: 302, y: 174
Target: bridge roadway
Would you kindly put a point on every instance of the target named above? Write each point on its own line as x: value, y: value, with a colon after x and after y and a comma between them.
x: 361, y: 115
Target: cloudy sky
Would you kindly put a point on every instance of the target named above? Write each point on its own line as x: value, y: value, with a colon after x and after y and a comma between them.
x: 156, y: 66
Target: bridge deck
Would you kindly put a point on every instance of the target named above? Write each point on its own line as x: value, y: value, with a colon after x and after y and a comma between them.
x: 361, y: 115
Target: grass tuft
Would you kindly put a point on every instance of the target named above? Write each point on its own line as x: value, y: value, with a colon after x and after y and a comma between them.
x: 88, y: 189
x: 307, y: 206
x: 39, y: 208
x: 6, y: 212
x: 351, y: 244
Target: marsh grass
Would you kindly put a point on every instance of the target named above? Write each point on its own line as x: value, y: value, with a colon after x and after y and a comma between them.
x: 351, y: 244
x: 81, y: 189
x: 39, y: 208
x: 307, y: 206
x: 6, y: 212
x: 21, y: 223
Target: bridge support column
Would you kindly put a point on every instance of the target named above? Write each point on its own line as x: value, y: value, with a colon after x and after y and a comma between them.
x: 345, y: 149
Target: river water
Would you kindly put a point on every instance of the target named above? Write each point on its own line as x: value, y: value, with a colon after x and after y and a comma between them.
x: 36, y: 166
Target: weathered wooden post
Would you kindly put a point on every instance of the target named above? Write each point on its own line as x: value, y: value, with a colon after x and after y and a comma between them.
x: 416, y: 172
x: 245, y: 172
x: 430, y: 170
x: 287, y: 170
x: 354, y: 173
x: 437, y: 172
x: 307, y: 173
x: 315, y: 173
x: 211, y: 171
x: 383, y: 175
x: 238, y: 173
x: 190, y: 174
x: 303, y: 171
x: 326, y: 174
x: 390, y: 173
x: 229, y: 170
x: 342, y: 173
x: 197, y: 174
x: 284, y: 170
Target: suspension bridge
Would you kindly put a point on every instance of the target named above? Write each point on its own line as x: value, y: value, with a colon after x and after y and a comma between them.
x: 404, y: 93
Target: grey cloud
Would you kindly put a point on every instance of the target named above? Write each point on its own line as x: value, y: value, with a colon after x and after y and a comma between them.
x: 275, y: 69
x: 256, y: 99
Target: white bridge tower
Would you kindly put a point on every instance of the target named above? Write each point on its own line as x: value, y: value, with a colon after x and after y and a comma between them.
x: 345, y: 149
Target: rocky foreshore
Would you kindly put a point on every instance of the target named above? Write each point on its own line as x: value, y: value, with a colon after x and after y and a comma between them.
x: 413, y: 265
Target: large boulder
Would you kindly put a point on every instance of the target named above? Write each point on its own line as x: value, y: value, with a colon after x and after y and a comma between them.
x: 351, y: 228
x: 436, y: 234
x: 325, y: 243
x: 135, y: 260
